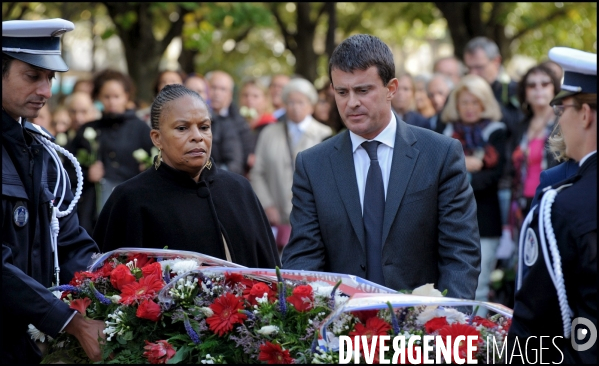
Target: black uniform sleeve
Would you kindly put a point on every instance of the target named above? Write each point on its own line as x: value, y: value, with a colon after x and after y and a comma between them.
x: 25, y: 298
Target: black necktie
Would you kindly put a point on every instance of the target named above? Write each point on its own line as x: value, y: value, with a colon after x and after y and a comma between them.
x: 374, y: 210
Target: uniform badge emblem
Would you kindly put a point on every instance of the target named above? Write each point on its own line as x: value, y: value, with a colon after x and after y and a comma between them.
x: 531, y: 247
x: 21, y: 216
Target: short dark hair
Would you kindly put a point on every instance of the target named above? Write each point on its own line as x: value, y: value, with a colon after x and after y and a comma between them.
x: 108, y: 75
x: 178, y: 72
x: 360, y: 52
x: 166, y: 95
x: 521, y: 92
x: 6, y: 62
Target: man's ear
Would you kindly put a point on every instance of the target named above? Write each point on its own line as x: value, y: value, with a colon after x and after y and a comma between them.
x: 588, y: 116
x: 392, y: 87
x: 155, y: 136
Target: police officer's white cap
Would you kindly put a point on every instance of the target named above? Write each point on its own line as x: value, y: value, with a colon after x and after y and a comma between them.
x: 36, y: 42
x: 580, y: 71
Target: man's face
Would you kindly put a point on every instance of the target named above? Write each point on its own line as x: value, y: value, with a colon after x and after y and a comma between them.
x: 363, y: 101
x: 221, y: 91
x: 450, y: 68
x: 276, y: 90
x: 479, y: 64
x: 25, y: 90
x: 438, y: 91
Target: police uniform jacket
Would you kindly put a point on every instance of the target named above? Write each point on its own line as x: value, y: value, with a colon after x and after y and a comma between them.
x: 165, y: 207
x: 28, y: 180
x: 536, y: 309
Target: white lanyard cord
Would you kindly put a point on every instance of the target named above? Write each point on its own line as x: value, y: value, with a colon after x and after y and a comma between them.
x: 555, y: 271
x: 56, y: 213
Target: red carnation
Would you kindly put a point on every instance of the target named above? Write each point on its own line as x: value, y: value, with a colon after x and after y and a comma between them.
x: 81, y: 304
x: 364, y: 315
x: 302, y: 298
x: 79, y: 277
x: 105, y: 270
x: 121, y: 276
x: 484, y: 322
x: 435, y: 324
x: 146, y: 288
x: 152, y: 269
x: 159, y: 352
x: 142, y: 259
x: 148, y: 309
x: 257, y: 291
x: 226, y: 313
x: 274, y: 354
x: 233, y: 279
x: 455, y: 330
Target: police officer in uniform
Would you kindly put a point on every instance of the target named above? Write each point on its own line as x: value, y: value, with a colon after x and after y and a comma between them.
x: 30, y: 58
x: 557, y: 295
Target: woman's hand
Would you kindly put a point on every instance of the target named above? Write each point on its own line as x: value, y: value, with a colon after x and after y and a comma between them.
x: 87, y: 332
x: 473, y: 164
x: 95, y: 172
x: 272, y: 213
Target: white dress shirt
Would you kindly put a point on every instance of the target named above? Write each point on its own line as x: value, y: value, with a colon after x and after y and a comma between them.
x: 296, y: 130
x: 384, y: 154
x: 586, y: 157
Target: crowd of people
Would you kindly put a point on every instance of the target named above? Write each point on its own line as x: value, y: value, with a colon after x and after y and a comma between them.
x: 431, y: 178
x: 504, y: 127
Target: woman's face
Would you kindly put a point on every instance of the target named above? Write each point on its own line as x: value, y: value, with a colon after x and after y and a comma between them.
x: 298, y: 107
x: 113, y: 96
x: 185, y: 135
x: 470, y: 109
x: 168, y: 78
x: 323, y: 107
x: 253, y: 97
x: 539, y: 89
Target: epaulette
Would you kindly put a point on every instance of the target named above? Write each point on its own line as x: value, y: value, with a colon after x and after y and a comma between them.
x: 38, y: 130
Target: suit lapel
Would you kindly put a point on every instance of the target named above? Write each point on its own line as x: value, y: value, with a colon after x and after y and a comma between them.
x: 344, y: 171
x: 402, y: 166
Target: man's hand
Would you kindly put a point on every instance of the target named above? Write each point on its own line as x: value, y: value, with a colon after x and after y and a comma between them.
x: 95, y: 172
x: 272, y: 213
x: 87, y: 332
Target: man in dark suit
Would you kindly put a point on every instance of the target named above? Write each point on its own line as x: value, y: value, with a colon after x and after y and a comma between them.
x: 425, y: 228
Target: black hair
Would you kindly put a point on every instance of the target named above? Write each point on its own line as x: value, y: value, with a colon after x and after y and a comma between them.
x: 108, y: 75
x: 166, y: 95
x: 360, y: 52
x: 6, y: 62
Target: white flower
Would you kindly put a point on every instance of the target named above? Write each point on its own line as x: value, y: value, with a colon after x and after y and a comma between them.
x: 451, y: 315
x: 37, y: 335
x: 115, y: 299
x: 89, y: 134
x: 427, y: 290
x: 58, y: 294
x: 183, y: 266
x: 61, y: 139
x: 268, y: 330
x: 140, y: 155
x: 207, y: 311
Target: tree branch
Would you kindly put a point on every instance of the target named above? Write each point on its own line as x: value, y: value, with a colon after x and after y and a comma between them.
x: 322, y: 10
x: 282, y: 26
x: 240, y: 37
x: 540, y: 22
x: 176, y: 28
x: 10, y: 9
x: 495, y: 11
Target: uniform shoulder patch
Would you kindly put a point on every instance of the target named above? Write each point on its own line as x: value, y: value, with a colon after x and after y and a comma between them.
x: 531, y: 247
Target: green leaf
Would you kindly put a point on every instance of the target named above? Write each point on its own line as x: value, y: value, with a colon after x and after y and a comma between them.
x: 108, y: 33
x: 179, y: 356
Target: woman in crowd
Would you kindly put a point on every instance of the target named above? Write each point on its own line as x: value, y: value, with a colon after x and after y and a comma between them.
x: 326, y: 110
x: 404, y: 104
x: 473, y: 117
x: 185, y: 196
x: 277, y: 147
x: 536, y: 89
x: 105, y: 147
x: 165, y: 77
x: 255, y: 106
x: 424, y: 105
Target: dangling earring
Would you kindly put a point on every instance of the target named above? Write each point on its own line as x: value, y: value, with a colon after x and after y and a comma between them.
x: 158, y: 159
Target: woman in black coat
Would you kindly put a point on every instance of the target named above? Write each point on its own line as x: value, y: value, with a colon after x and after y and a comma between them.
x: 185, y: 202
x: 105, y: 147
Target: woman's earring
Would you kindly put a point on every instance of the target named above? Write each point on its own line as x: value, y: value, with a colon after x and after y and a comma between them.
x: 158, y: 159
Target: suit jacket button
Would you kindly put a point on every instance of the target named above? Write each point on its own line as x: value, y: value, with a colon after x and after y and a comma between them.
x: 363, y: 267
